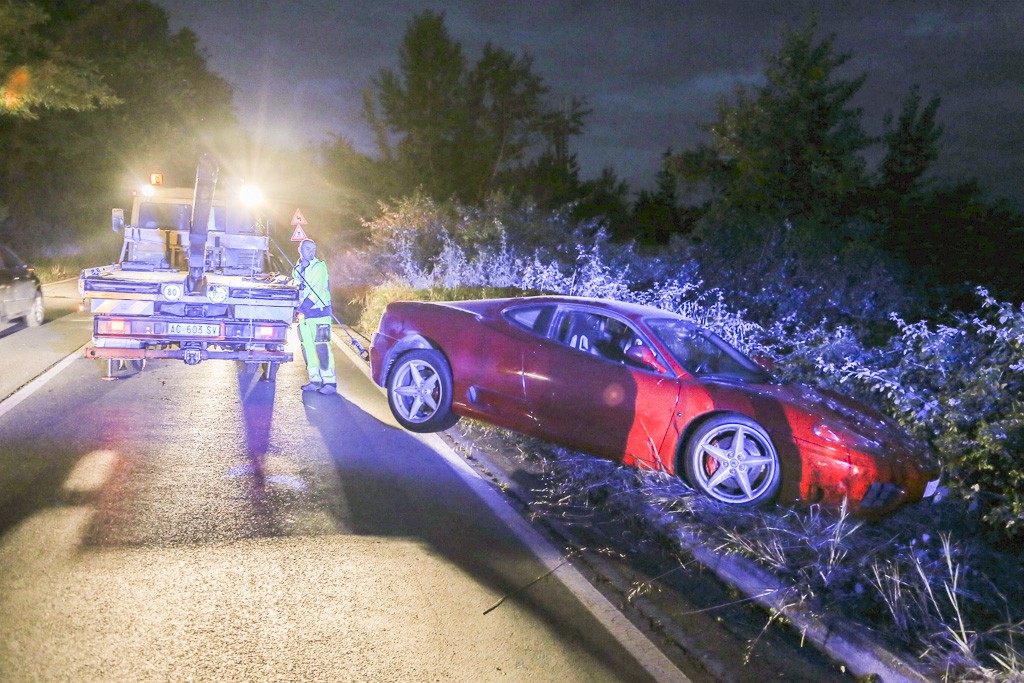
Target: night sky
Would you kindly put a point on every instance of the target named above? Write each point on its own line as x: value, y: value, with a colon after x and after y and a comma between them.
x: 651, y: 71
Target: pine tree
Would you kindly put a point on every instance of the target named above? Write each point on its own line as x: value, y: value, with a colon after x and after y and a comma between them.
x: 787, y: 149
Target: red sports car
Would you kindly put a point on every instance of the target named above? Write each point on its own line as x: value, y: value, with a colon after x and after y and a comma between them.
x: 645, y: 387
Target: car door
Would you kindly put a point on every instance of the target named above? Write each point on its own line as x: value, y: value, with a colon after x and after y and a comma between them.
x: 585, y: 395
x: 490, y: 373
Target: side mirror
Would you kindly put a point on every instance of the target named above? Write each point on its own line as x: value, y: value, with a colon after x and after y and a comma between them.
x: 117, y: 220
x: 764, y: 362
x: 644, y: 357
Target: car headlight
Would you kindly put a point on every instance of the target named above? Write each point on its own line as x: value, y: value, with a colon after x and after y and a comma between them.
x: 172, y: 291
x: 218, y: 294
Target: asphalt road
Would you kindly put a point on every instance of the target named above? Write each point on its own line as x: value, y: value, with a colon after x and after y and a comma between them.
x: 194, y: 523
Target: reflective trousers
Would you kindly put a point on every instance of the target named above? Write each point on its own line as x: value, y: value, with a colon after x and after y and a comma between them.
x: 315, y: 335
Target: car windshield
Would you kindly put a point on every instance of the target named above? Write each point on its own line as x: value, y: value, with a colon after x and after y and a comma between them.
x: 703, y: 353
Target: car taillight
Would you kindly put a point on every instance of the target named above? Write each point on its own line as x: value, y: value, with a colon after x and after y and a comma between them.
x: 265, y: 332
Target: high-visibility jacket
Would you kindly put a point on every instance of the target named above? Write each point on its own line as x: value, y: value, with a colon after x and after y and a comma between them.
x: 315, y: 292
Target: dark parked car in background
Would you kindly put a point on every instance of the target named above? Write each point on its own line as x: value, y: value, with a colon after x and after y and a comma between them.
x: 21, y: 294
x: 645, y: 387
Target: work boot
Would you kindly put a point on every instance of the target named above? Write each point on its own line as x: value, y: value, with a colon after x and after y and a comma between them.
x: 312, y: 386
x: 328, y: 389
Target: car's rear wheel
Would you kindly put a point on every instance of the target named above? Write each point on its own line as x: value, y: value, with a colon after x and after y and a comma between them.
x: 420, y: 391
x: 731, y: 459
x: 34, y: 317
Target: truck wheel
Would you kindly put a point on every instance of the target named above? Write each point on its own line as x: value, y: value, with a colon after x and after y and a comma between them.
x: 119, y: 368
x: 270, y: 371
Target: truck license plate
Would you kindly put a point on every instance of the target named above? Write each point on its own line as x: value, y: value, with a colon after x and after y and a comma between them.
x: 194, y: 329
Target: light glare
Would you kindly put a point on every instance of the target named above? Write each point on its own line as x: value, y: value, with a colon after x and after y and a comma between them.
x: 250, y: 195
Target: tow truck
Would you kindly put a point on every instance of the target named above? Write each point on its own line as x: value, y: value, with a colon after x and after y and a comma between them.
x: 195, y: 280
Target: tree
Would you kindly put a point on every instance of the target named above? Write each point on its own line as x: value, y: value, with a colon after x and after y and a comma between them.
x: 788, y: 149
x: 657, y: 215
x: 423, y: 104
x: 507, y: 109
x: 36, y: 74
x: 63, y: 169
x: 605, y: 199
x: 911, y: 147
x: 954, y: 239
x: 552, y: 179
x: 356, y: 182
x: 455, y: 131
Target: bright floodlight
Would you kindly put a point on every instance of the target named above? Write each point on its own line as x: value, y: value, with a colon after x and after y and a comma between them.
x: 250, y: 195
x: 148, y: 190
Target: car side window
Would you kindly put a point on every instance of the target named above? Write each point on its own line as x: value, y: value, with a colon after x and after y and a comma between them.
x: 596, y: 334
x: 536, y: 319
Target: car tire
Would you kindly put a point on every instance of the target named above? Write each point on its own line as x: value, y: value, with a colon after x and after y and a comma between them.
x: 420, y: 391
x: 35, y: 315
x: 752, y: 474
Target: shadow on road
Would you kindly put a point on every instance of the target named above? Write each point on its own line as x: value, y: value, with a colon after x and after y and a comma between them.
x: 401, y: 488
x: 181, y: 487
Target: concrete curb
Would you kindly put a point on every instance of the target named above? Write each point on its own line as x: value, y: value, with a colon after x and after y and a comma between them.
x: 840, y: 640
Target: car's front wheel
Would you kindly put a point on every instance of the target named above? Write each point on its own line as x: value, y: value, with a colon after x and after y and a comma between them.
x: 731, y: 459
x: 420, y: 391
x: 34, y: 317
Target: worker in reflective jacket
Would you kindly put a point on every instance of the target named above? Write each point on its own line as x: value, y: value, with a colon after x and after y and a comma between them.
x: 314, y: 316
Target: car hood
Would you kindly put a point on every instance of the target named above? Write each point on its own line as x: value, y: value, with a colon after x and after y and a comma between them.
x: 889, y: 439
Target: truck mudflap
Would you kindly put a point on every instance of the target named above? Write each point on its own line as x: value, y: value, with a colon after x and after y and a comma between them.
x: 191, y: 356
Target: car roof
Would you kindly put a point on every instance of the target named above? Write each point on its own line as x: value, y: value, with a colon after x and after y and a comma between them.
x: 625, y: 309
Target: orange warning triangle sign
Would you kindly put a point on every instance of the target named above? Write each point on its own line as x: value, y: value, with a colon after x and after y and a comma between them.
x: 298, y: 218
x: 298, y: 234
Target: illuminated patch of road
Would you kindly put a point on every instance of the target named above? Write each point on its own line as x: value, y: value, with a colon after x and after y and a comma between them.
x: 91, y: 472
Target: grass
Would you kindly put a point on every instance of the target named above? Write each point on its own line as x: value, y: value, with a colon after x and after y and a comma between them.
x: 57, y: 269
x: 922, y: 590
x: 54, y: 271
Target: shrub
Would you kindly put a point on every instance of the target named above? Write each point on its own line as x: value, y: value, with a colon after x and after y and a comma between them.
x: 958, y: 386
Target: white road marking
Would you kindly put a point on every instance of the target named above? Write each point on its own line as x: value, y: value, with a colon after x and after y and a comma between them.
x: 32, y: 387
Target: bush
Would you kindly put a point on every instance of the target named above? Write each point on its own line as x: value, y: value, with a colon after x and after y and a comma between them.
x: 958, y: 386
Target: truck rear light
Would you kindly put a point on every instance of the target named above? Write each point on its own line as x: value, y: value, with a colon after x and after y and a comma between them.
x: 256, y: 331
x: 112, y: 326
